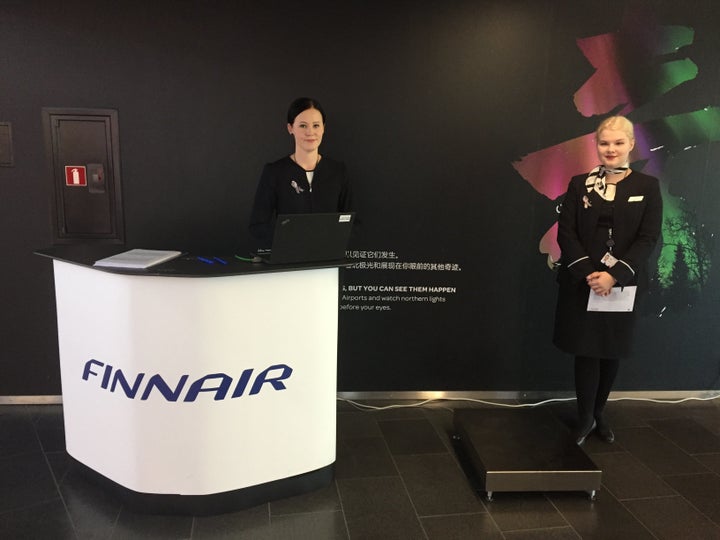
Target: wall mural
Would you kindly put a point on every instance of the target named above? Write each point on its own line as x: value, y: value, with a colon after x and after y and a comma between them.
x: 633, y: 67
x: 447, y: 314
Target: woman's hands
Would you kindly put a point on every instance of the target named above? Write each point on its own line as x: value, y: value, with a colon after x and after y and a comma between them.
x: 600, y: 282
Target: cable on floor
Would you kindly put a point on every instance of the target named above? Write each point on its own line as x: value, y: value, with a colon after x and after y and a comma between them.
x: 366, y: 407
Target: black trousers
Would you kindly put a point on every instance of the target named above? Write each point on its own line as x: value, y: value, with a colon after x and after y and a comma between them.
x: 594, y: 378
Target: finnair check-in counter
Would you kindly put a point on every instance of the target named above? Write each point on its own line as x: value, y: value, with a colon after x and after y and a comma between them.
x: 197, y: 389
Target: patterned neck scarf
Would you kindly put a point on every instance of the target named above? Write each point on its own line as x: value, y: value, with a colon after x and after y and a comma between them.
x: 596, y: 179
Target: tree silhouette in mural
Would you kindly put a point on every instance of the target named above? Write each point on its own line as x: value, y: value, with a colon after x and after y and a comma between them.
x: 691, y: 266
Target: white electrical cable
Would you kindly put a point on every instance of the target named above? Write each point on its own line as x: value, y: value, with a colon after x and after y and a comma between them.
x: 363, y: 406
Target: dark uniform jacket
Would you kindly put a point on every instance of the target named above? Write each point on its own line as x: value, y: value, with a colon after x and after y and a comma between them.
x: 636, y: 226
x: 284, y: 189
x: 637, y: 222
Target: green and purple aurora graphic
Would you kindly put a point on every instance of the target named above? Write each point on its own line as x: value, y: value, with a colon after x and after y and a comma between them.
x: 634, y: 67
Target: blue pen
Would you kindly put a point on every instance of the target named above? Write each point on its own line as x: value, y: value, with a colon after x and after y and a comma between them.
x: 206, y: 261
x: 221, y: 261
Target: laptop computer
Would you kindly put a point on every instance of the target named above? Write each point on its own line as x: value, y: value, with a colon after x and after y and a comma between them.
x: 306, y: 238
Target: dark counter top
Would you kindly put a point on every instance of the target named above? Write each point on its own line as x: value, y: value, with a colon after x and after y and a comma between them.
x: 187, y: 265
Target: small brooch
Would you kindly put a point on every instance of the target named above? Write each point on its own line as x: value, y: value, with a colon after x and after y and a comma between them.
x: 297, y: 188
x: 586, y: 202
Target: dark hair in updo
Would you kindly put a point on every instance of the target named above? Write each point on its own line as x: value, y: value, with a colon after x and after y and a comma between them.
x: 303, y: 104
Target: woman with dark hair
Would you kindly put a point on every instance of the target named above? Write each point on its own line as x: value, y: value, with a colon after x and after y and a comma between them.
x: 609, y: 223
x: 303, y: 182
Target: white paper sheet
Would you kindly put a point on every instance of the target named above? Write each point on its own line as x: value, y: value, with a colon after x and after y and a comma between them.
x: 138, y: 258
x: 620, y: 299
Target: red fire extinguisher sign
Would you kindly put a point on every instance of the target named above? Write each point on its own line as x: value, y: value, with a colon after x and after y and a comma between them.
x: 75, y: 175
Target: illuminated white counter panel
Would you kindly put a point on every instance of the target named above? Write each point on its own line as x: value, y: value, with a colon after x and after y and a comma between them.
x: 199, y: 394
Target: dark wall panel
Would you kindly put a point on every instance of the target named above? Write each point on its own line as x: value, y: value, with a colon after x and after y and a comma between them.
x: 455, y: 121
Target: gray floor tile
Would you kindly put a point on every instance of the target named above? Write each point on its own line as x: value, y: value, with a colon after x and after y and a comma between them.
x: 357, y: 425
x: 131, y: 526
x: 26, y: 481
x: 524, y: 511
x: 711, y: 461
x: 319, y: 500
x: 604, y: 518
x: 673, y: 518
x: 315, y: 526
x: 17, y: 433
x: 357, y: 458
x: 379, y: 508
x: 688, y: 435
x: 701, y: 490
x: 461, y: 527
x: 708, y: 420
x: 557, y: 533
x: 93, y: 510
x: 437, y: 485
x: 414, y: 436
x: 46, y: 520
x: 60, y: 464
x: 657, y: 452
x: 51, y: 431
x: 251, y: 524
x: 627, y: 478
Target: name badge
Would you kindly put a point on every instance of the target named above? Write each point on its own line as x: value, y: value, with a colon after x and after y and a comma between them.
x: 635, y: 198
x: 608, y: 260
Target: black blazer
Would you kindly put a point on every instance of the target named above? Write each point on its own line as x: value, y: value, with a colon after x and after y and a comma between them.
x: 637, y: 224
x: 284, y: 189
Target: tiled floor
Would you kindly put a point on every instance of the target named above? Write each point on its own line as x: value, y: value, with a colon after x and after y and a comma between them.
x: 398, y: 477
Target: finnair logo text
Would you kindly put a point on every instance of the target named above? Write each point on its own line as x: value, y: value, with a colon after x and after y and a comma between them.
x: 219, y: 385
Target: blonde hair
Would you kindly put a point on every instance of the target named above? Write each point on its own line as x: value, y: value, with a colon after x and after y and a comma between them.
x: 618, y: 123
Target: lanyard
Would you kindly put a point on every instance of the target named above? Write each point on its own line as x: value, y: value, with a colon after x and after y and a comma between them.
x: 610, y: 241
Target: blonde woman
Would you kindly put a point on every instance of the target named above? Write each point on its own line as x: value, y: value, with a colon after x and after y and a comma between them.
x: 609, y: 223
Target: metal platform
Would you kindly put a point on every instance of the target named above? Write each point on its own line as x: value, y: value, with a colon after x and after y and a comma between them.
x: 524, y: 450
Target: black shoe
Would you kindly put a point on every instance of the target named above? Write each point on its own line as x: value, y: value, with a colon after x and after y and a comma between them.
x: 604, y: 431
x: 583, y: 433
